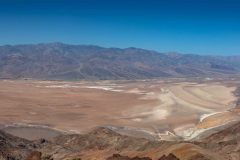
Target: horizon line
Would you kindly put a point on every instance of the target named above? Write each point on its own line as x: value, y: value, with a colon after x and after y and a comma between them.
x: 114, y: 47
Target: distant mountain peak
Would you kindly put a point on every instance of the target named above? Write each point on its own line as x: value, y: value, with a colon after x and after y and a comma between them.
x: 61, y: 61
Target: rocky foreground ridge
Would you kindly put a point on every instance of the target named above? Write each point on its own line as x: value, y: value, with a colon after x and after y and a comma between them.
x: 105, y: 144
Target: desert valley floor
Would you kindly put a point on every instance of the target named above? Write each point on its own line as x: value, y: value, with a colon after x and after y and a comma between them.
x: 169, y: 109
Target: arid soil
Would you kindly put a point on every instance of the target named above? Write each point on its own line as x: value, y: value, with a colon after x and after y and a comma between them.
x: 154, y: 109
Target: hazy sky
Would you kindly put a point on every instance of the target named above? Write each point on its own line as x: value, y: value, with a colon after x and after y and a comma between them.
x: 186, y: 26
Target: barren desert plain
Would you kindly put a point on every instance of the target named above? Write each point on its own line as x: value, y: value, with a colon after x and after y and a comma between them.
x: 168, y: 109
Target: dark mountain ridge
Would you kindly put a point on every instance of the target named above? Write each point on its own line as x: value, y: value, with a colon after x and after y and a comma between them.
x: 69, y: 62
x: 103, y: 143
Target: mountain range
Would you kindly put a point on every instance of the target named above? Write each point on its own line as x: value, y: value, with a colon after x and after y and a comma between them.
x: 58, y: 61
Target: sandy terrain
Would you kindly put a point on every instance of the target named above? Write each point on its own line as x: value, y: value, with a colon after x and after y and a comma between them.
x: 160, y: 109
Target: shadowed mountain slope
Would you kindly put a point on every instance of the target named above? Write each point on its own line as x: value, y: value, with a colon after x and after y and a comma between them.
x: 70, y: 62
x: 12, y: 147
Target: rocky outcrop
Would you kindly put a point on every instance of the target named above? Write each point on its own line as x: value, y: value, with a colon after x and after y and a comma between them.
x: 199, y: 157
x: 99, y: 139
x: 226, y: 142
x: 169, y: 157
x: 35, y: 155
x: 119, y: 157
x: 14, y: 148
x: 102, y: 142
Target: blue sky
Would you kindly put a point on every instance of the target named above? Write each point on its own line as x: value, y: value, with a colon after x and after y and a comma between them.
x: 185, y: 26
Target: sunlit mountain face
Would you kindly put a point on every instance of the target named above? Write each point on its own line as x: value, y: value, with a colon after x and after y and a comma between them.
x: 69, y: 62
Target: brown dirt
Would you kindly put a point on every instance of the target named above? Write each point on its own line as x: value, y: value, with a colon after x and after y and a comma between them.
x: 80, y: 106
